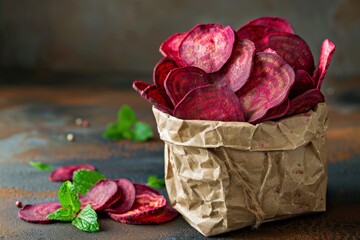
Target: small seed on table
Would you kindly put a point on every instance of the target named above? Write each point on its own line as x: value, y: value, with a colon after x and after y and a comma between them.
x: 18, y: 204
x: 70, y: 137
x: 78, y: 121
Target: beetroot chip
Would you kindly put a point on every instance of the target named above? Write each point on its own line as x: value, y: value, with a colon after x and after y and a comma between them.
x: 327, y: 50
x: 37, y: 213
x: 127, y: 199
x: 140, y: 86
x: 180, y: 81
x: 65, y: 173
x: 147, y: 201
x: 253, y: 33
x: 211, y: 102
x: 237, y: 70
x: 102, y: 195
x: 275, y: 23
x: 303, y: 83
x: 170, y: 47
x: 152, y: 95
x: 268, y: 86
x: 293, y: 49
x: 207, y: 46
x: 166, y: 214
x: 305, y: 102
x: 161, y: 71
x: 275, y: 112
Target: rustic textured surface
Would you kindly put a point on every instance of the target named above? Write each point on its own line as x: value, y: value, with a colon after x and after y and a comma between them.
x: 34, y: 122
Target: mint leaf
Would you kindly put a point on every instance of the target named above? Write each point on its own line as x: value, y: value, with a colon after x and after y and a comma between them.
x: 84, y: 179
x: 68, y: 197
x: 126, y: 118
x: 154, y: 181
x: 40, y: 166
x: 86, y: 220
x: 142, y: 132
x: 126, y: 126
x: 62, y: 214
x: 112, y: 132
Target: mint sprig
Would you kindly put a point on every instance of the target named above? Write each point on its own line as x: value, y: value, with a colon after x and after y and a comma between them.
x: 62, y: 214
x: 84, y: 179
x: 86, y: 220
x: 154, y: 181
x: 127, y: 127
x: 68, y: 197
x: 41, y: 166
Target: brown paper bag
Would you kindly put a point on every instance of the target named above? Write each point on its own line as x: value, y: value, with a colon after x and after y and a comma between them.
x: 223, y: 176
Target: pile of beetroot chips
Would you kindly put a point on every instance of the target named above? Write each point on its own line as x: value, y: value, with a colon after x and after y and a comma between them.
x: 263, y: 71
x: 122, y: 200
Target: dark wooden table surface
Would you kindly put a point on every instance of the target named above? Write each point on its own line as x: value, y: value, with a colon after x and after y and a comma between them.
x: 34, y: 122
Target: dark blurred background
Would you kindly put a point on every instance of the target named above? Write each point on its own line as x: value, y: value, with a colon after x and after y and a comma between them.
x: 118, y: 40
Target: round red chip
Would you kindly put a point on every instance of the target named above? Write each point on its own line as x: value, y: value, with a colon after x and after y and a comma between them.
x: 236, y: 71
x: 102, y: 195
x: 180, y: 81
x: 65, y: 173
x: 127, y: 199
x: 37, y: 213
x: 170, y: 47
x: 305, y: 102
x: 327, y: 50
x: 268, y: 86
x: 275, y: 23
x: 147, y: 201
x: 211, y: 102
x: 166, y: 214
x: 292, y: 48
x: 207, y: 46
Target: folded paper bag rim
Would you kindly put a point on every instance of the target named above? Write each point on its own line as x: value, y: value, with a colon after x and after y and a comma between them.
x: 288, y: 133
x: 222, y: 176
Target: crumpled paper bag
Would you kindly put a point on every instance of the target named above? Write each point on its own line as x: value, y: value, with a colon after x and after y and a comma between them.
x: 223, y: 176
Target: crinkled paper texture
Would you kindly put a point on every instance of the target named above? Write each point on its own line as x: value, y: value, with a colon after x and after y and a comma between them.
x: 223, y: 176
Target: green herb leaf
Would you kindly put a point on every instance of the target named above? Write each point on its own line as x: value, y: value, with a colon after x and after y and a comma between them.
x: 126, y: 126
x: 62, y: 214
x: 86, y: 220
x: 40, y: 166
x: 154, y: 181
x: 126, y: 118
x: 84, y: 179
x: 142, y: 132
x: 68, y: 197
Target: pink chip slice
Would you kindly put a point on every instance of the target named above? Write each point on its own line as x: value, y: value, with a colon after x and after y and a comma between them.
x: 65, y: 173
x: 276, y: 23
x: 127, y: 199
x: 211, y: 102
x: 292, y: 48
x: 170, y: 47
x: 253, y: 33
x: 236, y: 71
x: 275, y: 112
x: 37, y: 213
x: 180, y: 81
x: 303, y: 83
x: 207, y: 46
x: 327, y: 50
x: 147, y: 201
x: 305, y: 102
x: 268, y: 86
x: 102, y: 195
x: 166, y: 214
x: 140, y: 86
x: 161, y: 71
x: 153, y: 95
